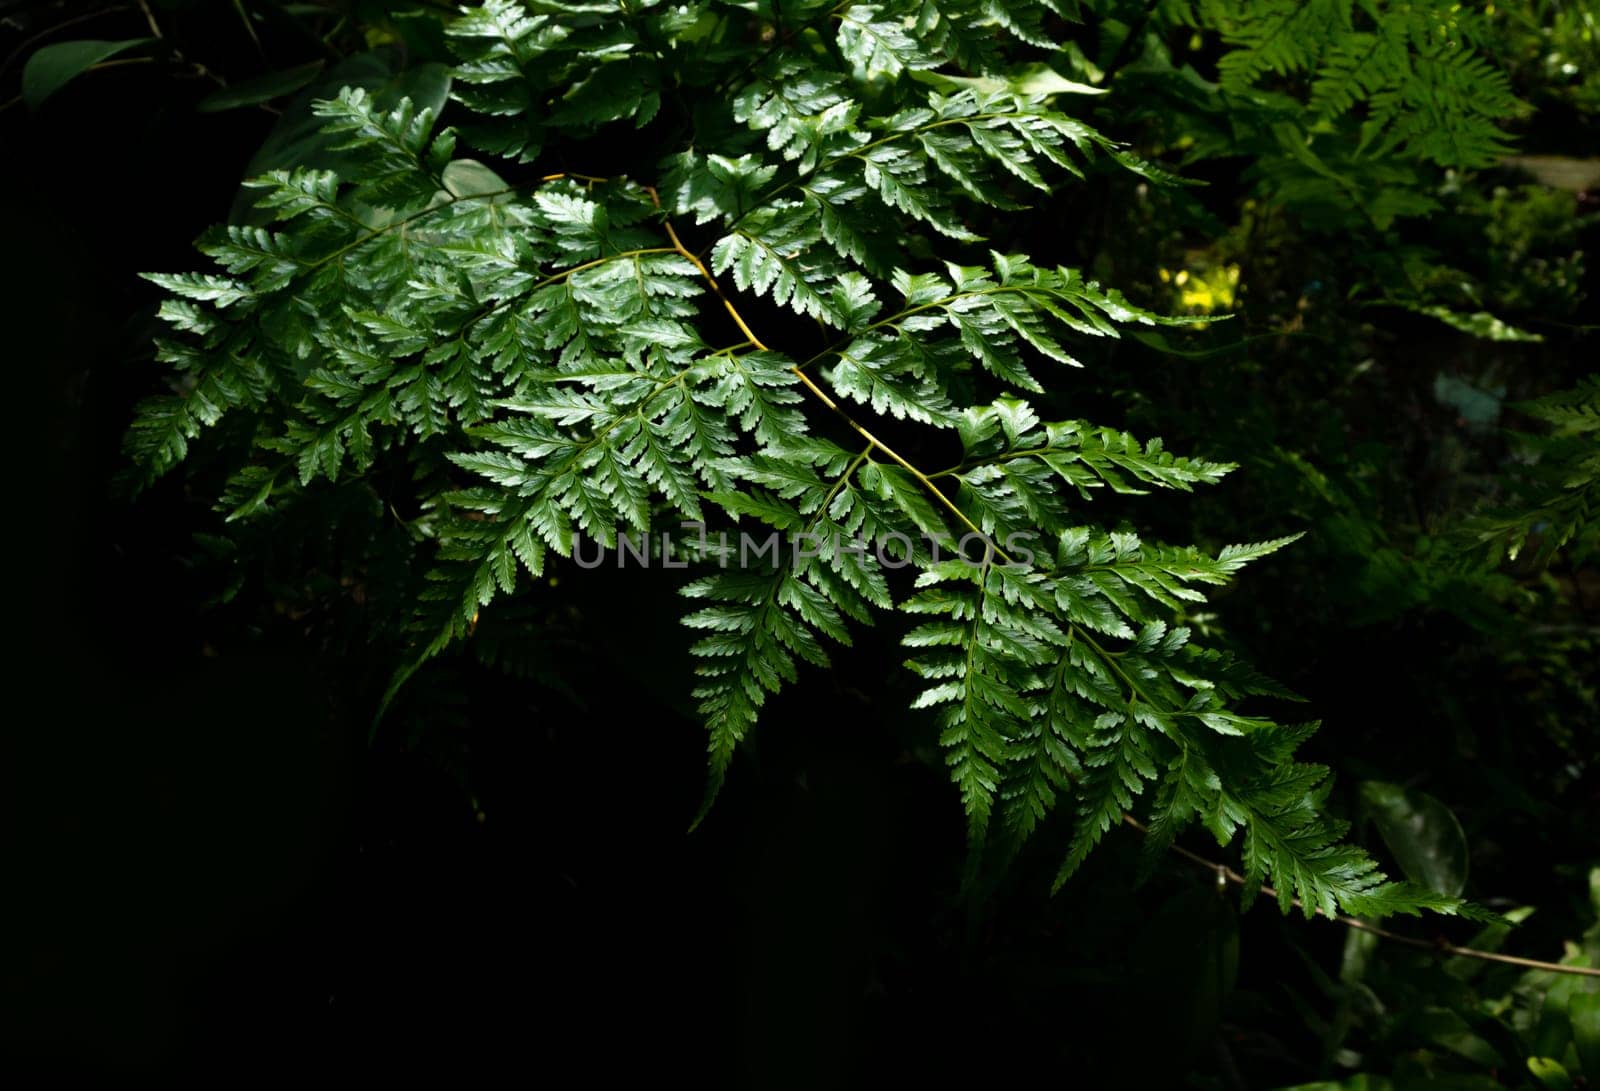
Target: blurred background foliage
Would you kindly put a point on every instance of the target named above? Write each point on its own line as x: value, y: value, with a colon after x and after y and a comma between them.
x: 1403, y: 362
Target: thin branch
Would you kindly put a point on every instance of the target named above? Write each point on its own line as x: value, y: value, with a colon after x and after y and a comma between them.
x: 822, y: 395
x: 150, y: 17
x: 1227, y: 874
x: 194, y: 66
x: 677, y: 244
x: 249, y: 28
x: 921, y: 477
x: 11, y: 58
x: 120, y: 62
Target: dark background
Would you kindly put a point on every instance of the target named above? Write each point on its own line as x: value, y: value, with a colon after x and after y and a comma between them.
x: 210, y: 867
x: 218, y: 870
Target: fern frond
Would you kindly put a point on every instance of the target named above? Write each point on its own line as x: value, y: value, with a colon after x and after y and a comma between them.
x: 538, y: 359
x: 1411, y: 66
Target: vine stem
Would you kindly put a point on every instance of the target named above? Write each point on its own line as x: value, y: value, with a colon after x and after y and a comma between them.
x: 1227, y: 874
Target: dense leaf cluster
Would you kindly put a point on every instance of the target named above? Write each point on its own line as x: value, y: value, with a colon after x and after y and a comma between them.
x: 527, y: 360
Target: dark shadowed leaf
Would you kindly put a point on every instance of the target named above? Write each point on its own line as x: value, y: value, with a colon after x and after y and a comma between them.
x: 54, y: 66
x: 263, y: 89
x: 1425, y: 837
x: 1583, y: 1011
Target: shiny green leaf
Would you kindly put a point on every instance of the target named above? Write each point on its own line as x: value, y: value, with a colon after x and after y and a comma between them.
x: 1550, y: 1073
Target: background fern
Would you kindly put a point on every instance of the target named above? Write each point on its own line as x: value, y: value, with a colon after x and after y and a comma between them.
x: 1415, y: 69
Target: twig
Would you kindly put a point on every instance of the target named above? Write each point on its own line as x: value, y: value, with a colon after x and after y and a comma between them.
x: 817, y: 391
x: 11, y: 58
x: 150, y: 18
x: 177, y: 54
x: 1225, y: 873
x: 120, y: 62
x: 97, y: 67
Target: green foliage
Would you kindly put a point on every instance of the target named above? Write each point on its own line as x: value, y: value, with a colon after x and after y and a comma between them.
x: 531, y: 362
x: 1414, y: 68
x: 1408, y: 1025
x: 1351, y: 119
x: 1560, y: 491
x: 1551, y: 47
